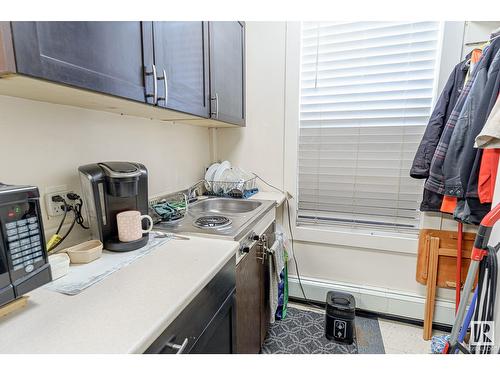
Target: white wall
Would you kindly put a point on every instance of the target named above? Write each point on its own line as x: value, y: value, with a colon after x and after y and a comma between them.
x: 259, y: 146
x: 43, y: 144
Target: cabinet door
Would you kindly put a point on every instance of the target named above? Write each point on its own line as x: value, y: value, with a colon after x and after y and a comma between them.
x: 207, y: 324
x: 219, y: 336
x: 180, y: 54
x: 100, y: 56
x: 248, y: 303
x: 227, y: 71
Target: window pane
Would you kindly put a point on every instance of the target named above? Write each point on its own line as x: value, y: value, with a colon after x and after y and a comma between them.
x: 366, y: 96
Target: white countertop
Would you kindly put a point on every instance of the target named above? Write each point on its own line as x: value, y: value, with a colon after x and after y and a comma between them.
x: 270, y: 196
x: 125, y: 312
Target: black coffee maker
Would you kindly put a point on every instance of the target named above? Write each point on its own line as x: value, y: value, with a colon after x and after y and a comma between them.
x: 109, y: 188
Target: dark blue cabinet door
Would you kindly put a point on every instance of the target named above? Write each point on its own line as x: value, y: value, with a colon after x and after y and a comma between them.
x: 101, y: 56
x: 181, y: 59
x: 227, y: 71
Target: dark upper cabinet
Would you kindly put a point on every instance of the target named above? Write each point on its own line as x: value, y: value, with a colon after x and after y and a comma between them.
x: 181, y: 62
x: 197, y: 68
x: 227, y: 71
x: 101, y: 56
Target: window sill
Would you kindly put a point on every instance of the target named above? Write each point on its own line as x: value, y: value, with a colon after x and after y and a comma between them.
x: 361, y: 238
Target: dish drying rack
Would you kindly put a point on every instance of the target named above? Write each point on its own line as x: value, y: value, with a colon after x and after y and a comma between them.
x: 232, y: 189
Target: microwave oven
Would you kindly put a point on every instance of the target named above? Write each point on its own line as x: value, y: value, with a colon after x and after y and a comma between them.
x: 23, y: 256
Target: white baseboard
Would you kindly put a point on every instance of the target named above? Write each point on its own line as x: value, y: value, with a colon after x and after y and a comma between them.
x: 381, y: 300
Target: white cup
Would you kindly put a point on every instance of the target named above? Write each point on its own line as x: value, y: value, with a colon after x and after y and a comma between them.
x: 130, y: 225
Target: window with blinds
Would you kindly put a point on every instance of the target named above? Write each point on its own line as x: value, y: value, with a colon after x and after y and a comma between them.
x: 366, y: 96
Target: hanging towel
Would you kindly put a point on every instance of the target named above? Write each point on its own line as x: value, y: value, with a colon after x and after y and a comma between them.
x: 276, y: 266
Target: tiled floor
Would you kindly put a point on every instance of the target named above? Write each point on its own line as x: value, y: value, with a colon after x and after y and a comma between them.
x: 399, y: 338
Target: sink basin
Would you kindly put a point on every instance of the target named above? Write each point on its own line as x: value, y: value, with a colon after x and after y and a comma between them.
x: 225, y: 205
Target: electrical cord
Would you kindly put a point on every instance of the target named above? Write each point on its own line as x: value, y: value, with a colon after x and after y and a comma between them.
x: 51, y: 250
x: 69, y: 229
x: 65, y: 208
x: 484, y: 309
x: 291, y: 242
x: 78, y: 213
x: 78, y: 209
x: 295, y: 259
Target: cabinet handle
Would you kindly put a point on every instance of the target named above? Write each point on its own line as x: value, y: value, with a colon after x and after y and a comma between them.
x: 179, y: 347
x: 216, y: 98
x: 165, y: 87
x: 154, y: 95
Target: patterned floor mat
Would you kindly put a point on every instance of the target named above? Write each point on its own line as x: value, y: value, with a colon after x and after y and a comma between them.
x: 303, y: 332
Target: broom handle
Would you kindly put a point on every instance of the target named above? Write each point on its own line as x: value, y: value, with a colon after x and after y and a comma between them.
x: 459, y: 317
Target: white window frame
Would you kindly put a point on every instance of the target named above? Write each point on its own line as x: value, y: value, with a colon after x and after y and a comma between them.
x: 451, y: 40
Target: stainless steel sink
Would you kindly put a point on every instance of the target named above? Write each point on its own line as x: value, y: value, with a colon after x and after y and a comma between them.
x: 225, y: 206
x: 242, y: 213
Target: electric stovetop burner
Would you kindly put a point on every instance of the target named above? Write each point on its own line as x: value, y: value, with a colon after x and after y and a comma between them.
x: 212, y: 222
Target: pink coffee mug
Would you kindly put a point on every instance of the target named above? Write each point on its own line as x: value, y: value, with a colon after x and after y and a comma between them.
x: 130, y: 225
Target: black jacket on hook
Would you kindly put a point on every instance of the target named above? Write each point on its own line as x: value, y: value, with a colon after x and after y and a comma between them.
x: 421, y: 163
x: 472, y: 210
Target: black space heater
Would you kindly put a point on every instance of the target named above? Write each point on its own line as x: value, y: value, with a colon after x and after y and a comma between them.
x: 340, y: 314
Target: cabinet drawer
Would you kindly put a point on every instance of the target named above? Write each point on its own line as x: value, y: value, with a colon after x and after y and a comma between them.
x: 193, y: 321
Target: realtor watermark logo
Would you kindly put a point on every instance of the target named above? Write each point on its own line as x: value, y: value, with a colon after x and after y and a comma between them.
x: 482, y: 333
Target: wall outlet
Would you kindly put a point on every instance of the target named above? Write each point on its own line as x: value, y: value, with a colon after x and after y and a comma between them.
x: 55, y: 208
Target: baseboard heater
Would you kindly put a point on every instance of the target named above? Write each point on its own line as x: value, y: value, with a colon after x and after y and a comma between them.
x: 393, y: 304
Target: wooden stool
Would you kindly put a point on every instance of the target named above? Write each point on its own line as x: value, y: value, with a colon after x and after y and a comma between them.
x: 437, y: 268
x: 431, y: 287
x: 435, y: 252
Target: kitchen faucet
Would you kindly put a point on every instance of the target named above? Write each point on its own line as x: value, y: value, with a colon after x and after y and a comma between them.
x: 192, y: 189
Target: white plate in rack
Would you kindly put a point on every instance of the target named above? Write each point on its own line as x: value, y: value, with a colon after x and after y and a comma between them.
x: 217, y: 187
x: 209, y: 175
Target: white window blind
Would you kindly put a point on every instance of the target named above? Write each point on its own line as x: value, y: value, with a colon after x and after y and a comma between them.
x: 366, y: 96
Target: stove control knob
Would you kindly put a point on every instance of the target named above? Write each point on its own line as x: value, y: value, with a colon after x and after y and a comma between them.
x: 256, y: 237
x: 245, y: 249
x: 251, y: 236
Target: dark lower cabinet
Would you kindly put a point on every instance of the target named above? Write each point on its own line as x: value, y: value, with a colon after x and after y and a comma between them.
x: 101, y: 56
x: 208, y: 324
x: 227, y: 71
x: 248, y: 314
x: 219, y: 336
x: 252, y: 297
